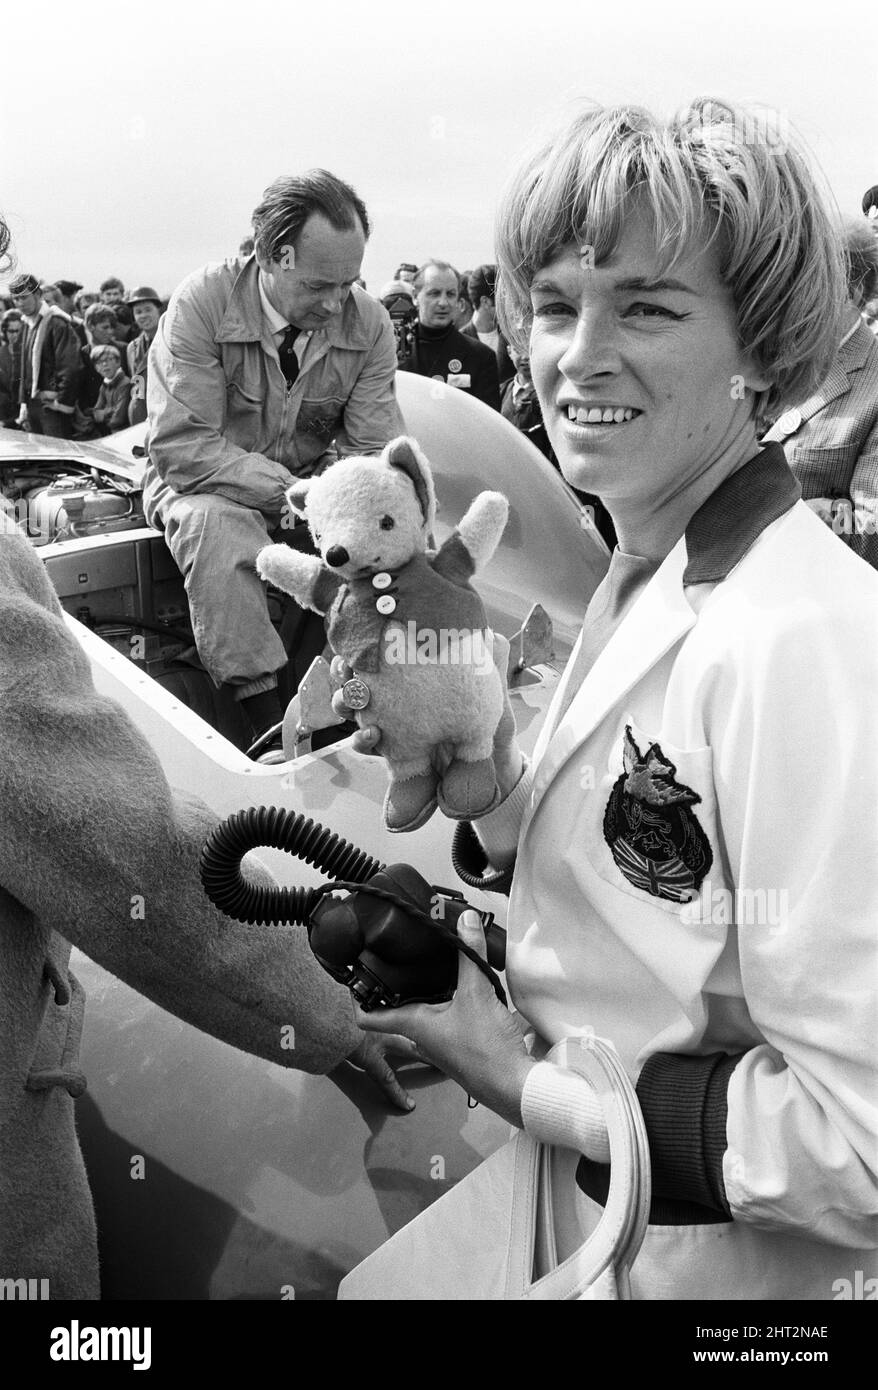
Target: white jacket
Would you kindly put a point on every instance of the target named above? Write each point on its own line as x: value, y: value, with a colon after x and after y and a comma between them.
x: 761, y: 692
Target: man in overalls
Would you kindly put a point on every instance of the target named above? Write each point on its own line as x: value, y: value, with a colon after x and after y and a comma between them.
x: 263, y: 370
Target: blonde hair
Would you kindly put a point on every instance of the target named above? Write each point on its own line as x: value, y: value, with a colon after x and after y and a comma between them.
x: 713, y: 173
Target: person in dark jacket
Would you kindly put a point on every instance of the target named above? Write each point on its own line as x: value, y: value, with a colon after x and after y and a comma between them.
x: 51, y: 367
x: 111, y: 410
x: 438, y: 350
x: 146, y: 306
x: 67, y: 292
x: 481, y: 291
x: 102, y: 330
x: 11, y: 338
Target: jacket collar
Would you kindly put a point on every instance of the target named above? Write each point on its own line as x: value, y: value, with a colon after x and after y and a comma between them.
x: 716, y: 539
x: 244, y: 322
x: 735, y: 515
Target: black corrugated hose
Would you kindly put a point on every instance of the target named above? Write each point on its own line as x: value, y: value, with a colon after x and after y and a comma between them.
x: 226, y: 846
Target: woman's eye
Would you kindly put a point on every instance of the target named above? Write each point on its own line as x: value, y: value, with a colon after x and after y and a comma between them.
x: 554, y: 310
x: 387, y: 523
x: 654, y: 311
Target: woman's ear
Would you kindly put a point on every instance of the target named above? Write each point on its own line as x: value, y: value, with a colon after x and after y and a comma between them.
x: 753, y: 376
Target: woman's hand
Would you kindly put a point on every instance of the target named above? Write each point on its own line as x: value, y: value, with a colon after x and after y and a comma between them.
x: 472, y: 1038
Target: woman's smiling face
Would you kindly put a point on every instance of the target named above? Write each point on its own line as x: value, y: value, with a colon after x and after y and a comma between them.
x: 655, y: 352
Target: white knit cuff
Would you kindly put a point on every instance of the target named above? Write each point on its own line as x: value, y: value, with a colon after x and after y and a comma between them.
x: 559, y: 1107
x: 498, y: 830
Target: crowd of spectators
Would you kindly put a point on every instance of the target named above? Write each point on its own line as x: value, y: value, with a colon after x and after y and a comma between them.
x: 73, y: 362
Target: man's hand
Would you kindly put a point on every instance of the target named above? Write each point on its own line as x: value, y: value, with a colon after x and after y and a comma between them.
x: 370, y: 1056
x: 472, y: 1038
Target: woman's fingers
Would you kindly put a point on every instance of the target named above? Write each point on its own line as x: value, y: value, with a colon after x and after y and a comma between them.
x: 469, y: 929
x: 403, y: 1021
x: 366, y: 740
x: 339, y: 670
x: 403, y: 1048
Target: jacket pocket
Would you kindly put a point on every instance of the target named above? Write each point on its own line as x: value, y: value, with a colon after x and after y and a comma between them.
x: 657, y: 838
x: 243, y: 417
x: 320, y: 417
x: 243, y: 398
x: 823, y: 472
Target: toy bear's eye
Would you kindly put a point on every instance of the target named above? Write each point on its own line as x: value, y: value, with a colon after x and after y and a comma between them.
x: 387, y: 523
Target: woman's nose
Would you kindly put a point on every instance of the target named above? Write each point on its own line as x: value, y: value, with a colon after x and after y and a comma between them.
x: 593, y: 349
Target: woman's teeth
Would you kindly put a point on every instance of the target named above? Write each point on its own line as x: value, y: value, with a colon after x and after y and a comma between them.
x: 596, y: 416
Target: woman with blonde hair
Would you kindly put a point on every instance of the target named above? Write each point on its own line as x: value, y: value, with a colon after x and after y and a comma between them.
x: 691, y: 855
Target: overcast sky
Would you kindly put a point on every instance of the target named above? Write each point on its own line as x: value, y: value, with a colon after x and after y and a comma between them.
x: 137, y: 138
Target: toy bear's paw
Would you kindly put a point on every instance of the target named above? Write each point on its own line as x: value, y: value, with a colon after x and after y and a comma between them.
x: 410, y: 804
x: 468, y: 789
x: 289, y: 570
x: 483, y: 524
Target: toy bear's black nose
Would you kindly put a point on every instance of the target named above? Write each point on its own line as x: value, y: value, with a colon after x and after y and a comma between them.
x: 336, y: 555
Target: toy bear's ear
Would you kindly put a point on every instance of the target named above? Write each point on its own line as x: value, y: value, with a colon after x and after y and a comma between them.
x: 403, y: 453
x: 297, y: 495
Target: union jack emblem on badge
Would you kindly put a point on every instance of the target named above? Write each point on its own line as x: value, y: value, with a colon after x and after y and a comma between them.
x: 652, y: 831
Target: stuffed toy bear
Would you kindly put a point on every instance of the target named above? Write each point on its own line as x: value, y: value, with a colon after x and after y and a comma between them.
x: 406, y: 621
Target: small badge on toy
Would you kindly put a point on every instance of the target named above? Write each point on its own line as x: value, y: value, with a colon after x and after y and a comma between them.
x: 356, y: 693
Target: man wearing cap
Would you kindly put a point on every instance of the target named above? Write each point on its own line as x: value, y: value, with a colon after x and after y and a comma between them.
x: 51, y: 366
x: 262, y: 371
x: 146, y: 306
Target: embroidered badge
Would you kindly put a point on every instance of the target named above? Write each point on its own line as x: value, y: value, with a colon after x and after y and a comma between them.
x: 652, y: 831
x: 455, y: 364
x: 322, y: 425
